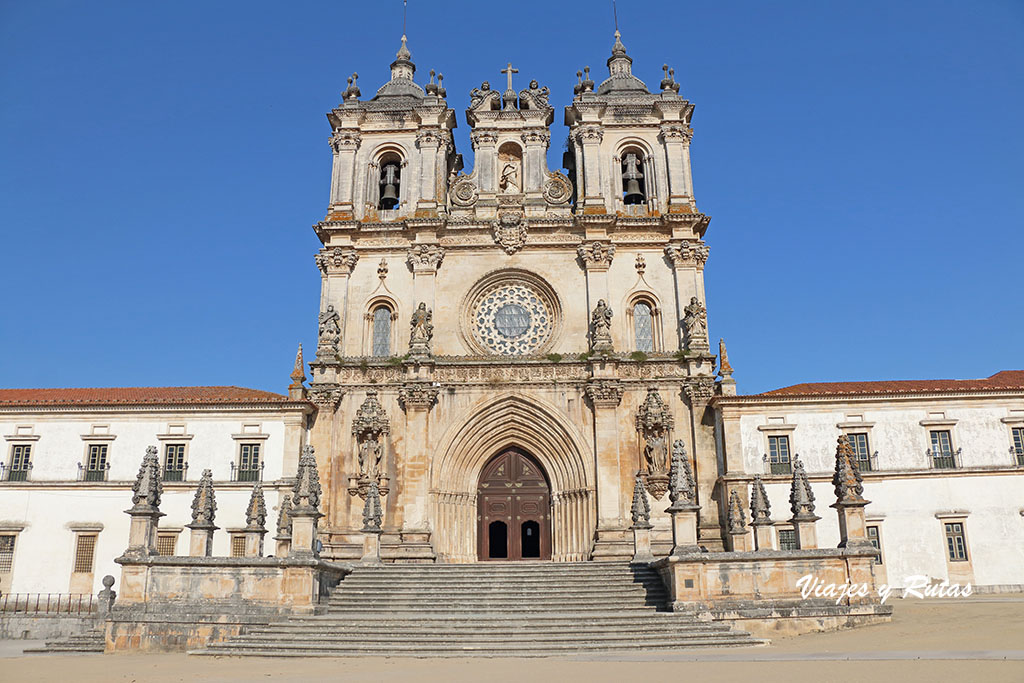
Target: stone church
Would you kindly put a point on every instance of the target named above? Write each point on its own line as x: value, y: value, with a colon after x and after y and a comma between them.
x: 502, y: 349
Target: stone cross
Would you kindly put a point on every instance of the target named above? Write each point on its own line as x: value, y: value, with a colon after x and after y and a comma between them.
x: 509, y: 70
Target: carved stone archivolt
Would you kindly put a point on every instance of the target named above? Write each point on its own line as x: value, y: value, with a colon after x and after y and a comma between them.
x: 653, y: 423
x: 425, y: 257
x: 418, y: 395
x: 604, y: 393
x: 510, y: 230
x: 369, y: 427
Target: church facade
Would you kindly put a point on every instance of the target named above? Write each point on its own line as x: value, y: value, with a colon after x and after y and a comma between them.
x: 514, y: 356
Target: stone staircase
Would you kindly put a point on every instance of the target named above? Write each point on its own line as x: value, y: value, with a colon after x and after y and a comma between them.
x: 90, y: 641
x: 488, y: 610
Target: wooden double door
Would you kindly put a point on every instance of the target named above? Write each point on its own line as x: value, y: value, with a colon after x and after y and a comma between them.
x: 513, y: 509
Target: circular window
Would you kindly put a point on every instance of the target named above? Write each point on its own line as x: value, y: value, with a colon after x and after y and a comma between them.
x: 512, y: 316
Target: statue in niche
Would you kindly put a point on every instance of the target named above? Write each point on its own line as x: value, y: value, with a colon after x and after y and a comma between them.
x: 509, y: 183
x: 510, y: 160
x: 696, y: 323
x: 370, y: 455
x: 601, y: 327
x: 656, y: 453
x: 329, y: 332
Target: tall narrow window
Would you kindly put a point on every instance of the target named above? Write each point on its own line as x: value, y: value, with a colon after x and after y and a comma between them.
x: 643, y: 326
x: 1018, y: 445
x: 96, y: 465
x: 956, y: 543
x: 382, y: 331
x: 778, y: 455
x: 85, y: 549
x: 942, y: 450
x: 174, y: 462
x: 249, y: 464
x: 859, y: 444
x: 876, y: 541
x: 21, y: 462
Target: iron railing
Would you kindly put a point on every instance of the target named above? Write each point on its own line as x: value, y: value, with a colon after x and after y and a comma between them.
x: 9, y: 473
x: 175, y: 474
x: 47, y: 603
x: 778, y: 467
x: 246, y: 474
x: 1018, y: 455
x: 93, y: 474
x: 868, y: 464
x: 944, y: 460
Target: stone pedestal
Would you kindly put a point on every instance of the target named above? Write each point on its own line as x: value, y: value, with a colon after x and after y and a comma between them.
x: 303, y: 543
x: 371, y: 547
x: 684, y: 530
x: 142, y: 533
x: 740, y: 542
x: 283, y: 546
x: 852, y: 526
x: 806, y: 532
x: 642, y: 545
x: 201, y: 541
x: 254, y: 542
x: 764, y: 537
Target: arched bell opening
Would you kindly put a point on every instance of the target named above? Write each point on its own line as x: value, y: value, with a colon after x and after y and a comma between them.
x: 514, y: 509
x: 390, y: 181
x: 634, y: 183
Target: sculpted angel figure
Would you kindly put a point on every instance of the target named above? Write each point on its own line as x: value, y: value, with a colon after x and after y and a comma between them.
x: 477, y: 95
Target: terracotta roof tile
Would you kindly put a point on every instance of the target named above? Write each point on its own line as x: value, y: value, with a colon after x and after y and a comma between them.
x: 1005, y: 380
x: 137, y: 395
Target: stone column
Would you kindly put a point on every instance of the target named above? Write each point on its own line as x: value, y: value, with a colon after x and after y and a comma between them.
x: 486, y: 155
x: 676, y: 137
x: 597, y: 258
x: 428, y: 141
x: 592, y: 199
x: 416, y: 398
x: 535, y: 159
x: 605, y: 395
x: 336, y: 265
x: 344, y: 144
x: 327, y: 396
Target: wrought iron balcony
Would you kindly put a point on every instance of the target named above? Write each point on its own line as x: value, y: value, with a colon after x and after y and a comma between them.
x: 777, y: 466
x: 944, y: 460
x: 868, y: 464
x: 8, y: 473
x: 1018, y: 455
x: 246, y: 474
x: 175, y: 474
x: 93, y: 473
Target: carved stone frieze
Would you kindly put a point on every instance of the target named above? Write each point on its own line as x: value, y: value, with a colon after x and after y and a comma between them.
x: 417, y: 395
x: 344, y: 140
x: 510, y: 230
x: 693, y: 254
x: 326, y: 396
x: 533, y: 137
x: 604, y: 393
x: 336, y: 260
x: 699, y: 389
x: 596, y: 255
x: 482, y: 137
x: 676, y: 131
x: 425, y: 257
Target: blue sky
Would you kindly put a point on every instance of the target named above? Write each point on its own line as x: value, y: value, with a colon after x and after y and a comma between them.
x: 161, y: 165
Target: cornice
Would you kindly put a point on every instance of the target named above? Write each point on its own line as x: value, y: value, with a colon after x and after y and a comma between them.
x: 284, y: 406
x: 882, y: 475
x: 756, y: 399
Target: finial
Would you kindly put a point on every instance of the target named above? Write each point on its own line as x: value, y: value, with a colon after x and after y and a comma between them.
x: 735, y: 517
x: 403, y: 51
x: 760, y: 508
x: 618, y: 48
x: 441, y: 92
x: 801, y: 497
x: 640, y: 509
x: 847, y: 480
x: 256, y: 513
x: 724, y: 368
x: 204, y: 504
x: 430, y: 87
x: 298, y: 376
x: 382, y: 270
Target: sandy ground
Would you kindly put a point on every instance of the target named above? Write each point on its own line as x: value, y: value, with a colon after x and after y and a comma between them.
x: 976, y: 639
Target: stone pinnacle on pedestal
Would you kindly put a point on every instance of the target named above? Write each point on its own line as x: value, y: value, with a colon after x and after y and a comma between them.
x: 848, y: 483
x: 256, y: 513
x: 760, y: 508
x: 801, y: 497
x: 306, y: 491
x: 641, y: 508
x: 284, y: 518
x: 204, y: 503
x: 148, y: 488
x: 736, y: 518
x: 372, y: 512
x: 681, y: 486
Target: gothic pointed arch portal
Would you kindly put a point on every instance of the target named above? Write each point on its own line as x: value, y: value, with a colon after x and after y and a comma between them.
x: 513, y: 421
x: 514, y: 509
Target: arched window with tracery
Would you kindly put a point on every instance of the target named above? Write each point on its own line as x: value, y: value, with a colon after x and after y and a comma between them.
x: 643, y: 326
x: 381, y: 320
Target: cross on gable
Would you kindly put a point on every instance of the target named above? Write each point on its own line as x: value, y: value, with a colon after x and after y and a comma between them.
x: 509, y: 70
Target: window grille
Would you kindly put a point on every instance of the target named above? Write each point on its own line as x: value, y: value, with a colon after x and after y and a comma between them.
x: 778, y: 455
x: 174, y: 462
x: 237, y: 545
x: 956, y: 543
x: 859, y: 444
x: 643, y: 326
x: 787, y: 539
x: 382, y: 331
x: 84, y: 551
x: 249, y: 462
x: 876, y: 541
x: 166, y: 544
x: 6, y: 553
x: 96, y: 466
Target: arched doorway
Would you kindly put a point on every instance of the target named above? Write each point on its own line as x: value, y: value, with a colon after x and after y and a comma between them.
x: 514, y: 503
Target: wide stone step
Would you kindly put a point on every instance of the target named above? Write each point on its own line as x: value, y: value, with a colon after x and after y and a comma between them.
x: 404, y: 640
x: 483, y: 607
x: 348, y: 597
x: 412, y: 630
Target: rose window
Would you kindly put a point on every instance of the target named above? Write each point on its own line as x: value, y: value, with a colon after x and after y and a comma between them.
x: 511, y: 319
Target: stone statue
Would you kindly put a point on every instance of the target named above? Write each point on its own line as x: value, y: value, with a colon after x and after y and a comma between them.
x: 329, y: 335
x: 696, y: 323
x: 509, y: 183
x: 477, y: 95
x: 370, y: 455
x: 421, y: 331
x: 601, y: 327
x: 656, y: 453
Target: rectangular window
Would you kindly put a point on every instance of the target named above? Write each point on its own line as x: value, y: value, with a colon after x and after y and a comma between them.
x: 21, y: 462
x: 85, y: 548
x: 778, y: 455
x: 956, y: 543
x: 6, y: 553
x: 1018, y: 444
x: 787, y: 539
x: 166, y: 544
x: 174, y: 462
x: 237, y: 545
x: 942, y: 450
x: 876, y: 541
x: 859, y: 443
x: 249, y: 462
x: 96, y: 466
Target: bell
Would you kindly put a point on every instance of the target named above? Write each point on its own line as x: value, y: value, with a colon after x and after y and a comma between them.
x: 633, y: 193
x: 388, y: 198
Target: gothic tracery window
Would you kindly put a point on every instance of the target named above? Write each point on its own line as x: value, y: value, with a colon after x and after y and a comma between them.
x: 382, y: 331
